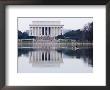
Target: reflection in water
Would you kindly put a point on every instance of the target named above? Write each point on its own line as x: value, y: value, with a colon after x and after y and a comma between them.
x: 85, y: 53
x: 42, y: 57
x: 46, y: 57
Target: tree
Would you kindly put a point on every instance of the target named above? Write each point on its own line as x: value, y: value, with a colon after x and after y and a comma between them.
x: 60, y: 37
x: 24, y: 35
x: 19, y: 34
x: 74, y: 34
x: 87, y: 33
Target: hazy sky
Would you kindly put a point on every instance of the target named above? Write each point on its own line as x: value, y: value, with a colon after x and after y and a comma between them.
x: 69, y: 23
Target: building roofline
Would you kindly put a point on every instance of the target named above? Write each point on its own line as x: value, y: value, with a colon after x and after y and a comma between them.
x: 45, y: 25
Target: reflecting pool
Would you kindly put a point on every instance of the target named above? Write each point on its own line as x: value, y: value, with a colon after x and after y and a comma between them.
x: 54, y: 59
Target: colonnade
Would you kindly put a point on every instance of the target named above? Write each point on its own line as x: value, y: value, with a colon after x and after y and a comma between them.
x: 45, y: 31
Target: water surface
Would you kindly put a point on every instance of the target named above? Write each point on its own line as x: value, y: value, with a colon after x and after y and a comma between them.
x: 55, y: 59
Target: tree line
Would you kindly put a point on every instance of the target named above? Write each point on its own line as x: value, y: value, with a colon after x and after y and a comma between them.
x: 86, y: 34
x: 24, y: 35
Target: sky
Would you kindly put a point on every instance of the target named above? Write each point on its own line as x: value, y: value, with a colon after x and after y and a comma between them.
x: 72, y: 23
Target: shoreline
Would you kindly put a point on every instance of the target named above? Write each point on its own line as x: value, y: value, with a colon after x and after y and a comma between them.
x: 46, y: 45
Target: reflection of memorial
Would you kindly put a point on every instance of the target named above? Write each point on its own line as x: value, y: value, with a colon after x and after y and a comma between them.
x: 45, y: 58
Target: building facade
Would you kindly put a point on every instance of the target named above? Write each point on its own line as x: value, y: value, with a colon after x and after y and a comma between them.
x: 44, y: 29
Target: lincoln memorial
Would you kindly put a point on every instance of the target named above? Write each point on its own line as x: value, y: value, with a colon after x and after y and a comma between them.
x: 45, y: 29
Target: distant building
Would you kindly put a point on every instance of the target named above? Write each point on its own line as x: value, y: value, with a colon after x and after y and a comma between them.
x: 45, y: 29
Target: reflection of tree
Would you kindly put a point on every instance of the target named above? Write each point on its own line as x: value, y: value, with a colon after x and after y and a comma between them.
x: 86, y: 54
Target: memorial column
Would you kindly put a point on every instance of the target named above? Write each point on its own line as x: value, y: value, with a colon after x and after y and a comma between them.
x: 51, y: 31
x: 47, y: 31
x: 44, y: 31
x: 38, y: 30
x: 35, y: 32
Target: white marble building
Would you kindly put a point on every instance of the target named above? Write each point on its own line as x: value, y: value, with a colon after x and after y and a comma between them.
x: 45, y: 28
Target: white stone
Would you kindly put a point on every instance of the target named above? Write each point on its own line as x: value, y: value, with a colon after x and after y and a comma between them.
x: 36, y: 29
